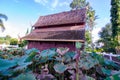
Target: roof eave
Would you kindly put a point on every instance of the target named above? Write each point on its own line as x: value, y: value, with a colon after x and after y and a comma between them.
x: 57, y: 40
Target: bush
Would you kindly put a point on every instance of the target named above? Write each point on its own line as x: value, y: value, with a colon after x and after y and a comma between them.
x: 13, y: 41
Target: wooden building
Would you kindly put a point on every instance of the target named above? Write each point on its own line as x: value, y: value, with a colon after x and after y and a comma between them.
x: 58, y: 30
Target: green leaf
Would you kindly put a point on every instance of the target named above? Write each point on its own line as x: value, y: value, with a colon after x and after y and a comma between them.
x: 111, y: 63
x: 22, y: 66
x: 68, y: 56
x: 30, y: 57
x: 6, y: 64
x: 60, y: 67
x: 25, y: 76
x: 78, y: 45
x: 87, y: 61
x: 113, y: 77
x: 89, y: 78
x: 71, y: 54
x: 106, y: 71
x: 8, y: 72
x: 21, y: 60
x: 48, y: 53
x: 29, y: 51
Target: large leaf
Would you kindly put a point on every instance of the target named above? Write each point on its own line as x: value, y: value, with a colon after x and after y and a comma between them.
x: 25, y: 76
x: 106, y: 71
x: 29, y: 51
x: 8, y: 72
x: 48, y: 53
x: 6, y: 64
x: 86, y: 62
x: 22, y: 66
x: 60, y: 67
x: 71, y: 54
x: 21, y: 60
x: 111, y: 63
x: 78, y: 45
x: 114, y: 77
x: 30, y: 57
x: 68, y: 57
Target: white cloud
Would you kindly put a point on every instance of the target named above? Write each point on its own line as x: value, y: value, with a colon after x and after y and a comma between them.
x: 95, y: 33
x: 63, y: 4
x: 100, y: 23
x: 55, y: 4
x: 13, y: 30
x: 43, y: 2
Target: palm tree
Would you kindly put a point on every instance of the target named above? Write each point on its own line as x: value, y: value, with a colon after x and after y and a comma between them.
x: 1, y: 21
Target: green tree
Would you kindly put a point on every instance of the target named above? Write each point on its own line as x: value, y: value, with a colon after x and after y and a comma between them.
x: 106, y: 39
x: 1, y: 21
x: 87, y: 36
x: 115, y: 19
x: 78, y: 4
x: 91, y: 17
x: 13, y: 41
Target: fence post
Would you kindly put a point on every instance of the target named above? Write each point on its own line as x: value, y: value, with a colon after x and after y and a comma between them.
x: 110, y: 56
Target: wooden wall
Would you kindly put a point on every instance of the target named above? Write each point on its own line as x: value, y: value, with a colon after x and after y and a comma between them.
x: 41, y: 45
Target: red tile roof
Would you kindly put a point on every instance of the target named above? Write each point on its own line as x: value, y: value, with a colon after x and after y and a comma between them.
x: 69, y: 17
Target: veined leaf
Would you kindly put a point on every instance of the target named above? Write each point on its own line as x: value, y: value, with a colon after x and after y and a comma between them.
x: 29, y: 51
x: 106, y: 71
x: 78, y: 45
x: 60, y: 67
x: 25, y: 76
x: 6, y: 64
x: 48, y: 53
x: 30, y: 57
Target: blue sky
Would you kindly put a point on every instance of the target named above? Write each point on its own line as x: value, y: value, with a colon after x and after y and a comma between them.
x: 24, y: 13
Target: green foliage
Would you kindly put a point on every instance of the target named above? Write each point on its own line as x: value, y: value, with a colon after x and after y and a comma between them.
x: 50, y: 62
x: 90, y: 18
x: 5, y: 39
x: 30, y: 57
x: 87, y: 37
x: 25, y: 76
x: 115, y: 19
x: 15, y: 65
x: 23, y: 43
x: 13, y: 41
x: 87, y: 61
x: 77, y: 4
x: 106, y: 39
x: 60, y: 68
x: 6, y: 64
x: 78, y: 45
x: 49, y: 53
